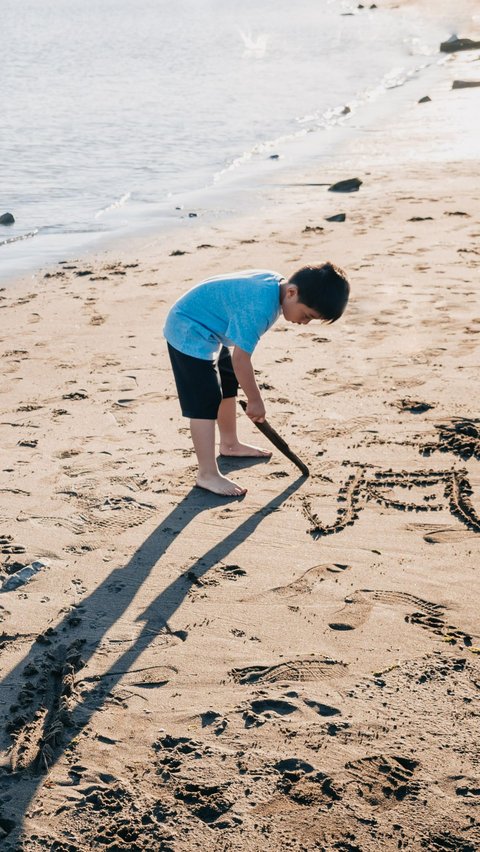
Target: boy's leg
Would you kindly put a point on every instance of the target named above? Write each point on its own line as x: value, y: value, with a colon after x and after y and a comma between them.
x: 227, y: 414
x: 227, y: 426
x: 209, y: 476
x: 199, y: 393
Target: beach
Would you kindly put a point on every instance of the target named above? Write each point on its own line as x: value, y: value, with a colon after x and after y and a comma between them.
x: 298, y: 669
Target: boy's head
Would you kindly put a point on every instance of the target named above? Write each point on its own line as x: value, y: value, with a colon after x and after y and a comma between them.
x: 315, y: 292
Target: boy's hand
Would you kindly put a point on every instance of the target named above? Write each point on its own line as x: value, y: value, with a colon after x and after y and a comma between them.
x: 256, y: 410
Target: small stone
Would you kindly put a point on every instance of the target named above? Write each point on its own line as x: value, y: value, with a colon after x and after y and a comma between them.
x: 453, y: 44
x: 349, y: 185
x: 465, y: 84
x: 6, y: 219
x: 338, y: 217
x: 425, y: 99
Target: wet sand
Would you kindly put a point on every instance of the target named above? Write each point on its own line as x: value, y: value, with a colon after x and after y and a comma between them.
x: 298, y: 669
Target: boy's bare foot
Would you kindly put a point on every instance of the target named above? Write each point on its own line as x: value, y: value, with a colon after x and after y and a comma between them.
x: 219, y: 484
x: 239, y: 450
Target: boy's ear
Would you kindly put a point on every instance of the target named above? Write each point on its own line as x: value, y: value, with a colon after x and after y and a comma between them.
x: 292, y: 290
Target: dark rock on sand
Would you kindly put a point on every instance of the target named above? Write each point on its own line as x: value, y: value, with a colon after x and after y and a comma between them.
x: 453, y: 44
x: 425, y: 100
x: 6, y: 219
x: 338, y: 217
x: 465, y: 84
x: 350, y: 185
x: 414, y: 406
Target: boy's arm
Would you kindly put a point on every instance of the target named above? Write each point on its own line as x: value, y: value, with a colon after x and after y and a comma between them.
x: 242, y: 365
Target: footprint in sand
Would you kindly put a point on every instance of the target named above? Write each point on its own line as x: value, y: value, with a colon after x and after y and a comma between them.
x: 437, y: 625
x: 263, y: 710
x: 129, y: 402
x: 463, y: 786
x: 426, y: 614
x: 353, y: 614
x: 149, y: 677
x: 403, y: 598
x: 114, y: 514
x: 440, y: 533
x: 303, y: 784
x: 134, y: 482
x: 46, y: 696
x: 309, y: 580
x: 382, y: 780
x: 322, y: 709
x: 302, y: 669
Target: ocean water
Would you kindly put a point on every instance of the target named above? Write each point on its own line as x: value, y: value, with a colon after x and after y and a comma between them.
x: 116, y: 114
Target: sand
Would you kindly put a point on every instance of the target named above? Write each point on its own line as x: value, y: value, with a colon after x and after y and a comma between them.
x: 295, y: 670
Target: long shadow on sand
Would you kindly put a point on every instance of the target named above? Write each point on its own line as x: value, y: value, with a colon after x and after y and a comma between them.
x: 43, y: 740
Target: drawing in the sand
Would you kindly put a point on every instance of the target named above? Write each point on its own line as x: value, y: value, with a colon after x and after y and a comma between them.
x: 365, y: 485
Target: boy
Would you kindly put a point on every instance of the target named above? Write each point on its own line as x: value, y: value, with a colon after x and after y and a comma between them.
x: 235, y: 310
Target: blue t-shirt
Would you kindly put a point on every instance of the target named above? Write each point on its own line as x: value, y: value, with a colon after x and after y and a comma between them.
x: 228, y: 310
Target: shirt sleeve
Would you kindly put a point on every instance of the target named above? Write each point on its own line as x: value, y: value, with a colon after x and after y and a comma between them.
x: 245, y: 329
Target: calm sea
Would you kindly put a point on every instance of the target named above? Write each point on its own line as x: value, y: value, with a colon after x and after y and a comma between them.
x: 116, y: 113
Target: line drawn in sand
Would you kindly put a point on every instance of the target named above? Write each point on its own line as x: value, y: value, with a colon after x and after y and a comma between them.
x: 460, y: 436
x: 363, y: 486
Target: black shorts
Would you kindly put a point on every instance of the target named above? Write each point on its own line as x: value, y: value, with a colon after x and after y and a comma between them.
x: 201, y: 384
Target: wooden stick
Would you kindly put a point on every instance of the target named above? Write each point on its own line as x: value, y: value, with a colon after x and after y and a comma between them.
x: 278, y: 442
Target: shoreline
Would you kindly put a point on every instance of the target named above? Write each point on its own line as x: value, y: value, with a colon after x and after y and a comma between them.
x: 237, y: 198
x: 225, y: 197
x: 190, y: 672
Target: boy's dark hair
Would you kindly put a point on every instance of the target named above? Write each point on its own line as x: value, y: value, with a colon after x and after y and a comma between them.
x: 324, y: 288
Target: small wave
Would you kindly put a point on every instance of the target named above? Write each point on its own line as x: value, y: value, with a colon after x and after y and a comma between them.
x: 63, y: 229
x: 18, y: 238
x: 331, y: 116
x: 114, y: 206
x: 260, y: 148
x: 394, y: 78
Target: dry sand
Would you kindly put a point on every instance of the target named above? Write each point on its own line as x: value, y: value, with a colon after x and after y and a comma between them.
x: 190, y: 672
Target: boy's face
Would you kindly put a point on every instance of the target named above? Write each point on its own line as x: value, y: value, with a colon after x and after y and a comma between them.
x: 295, y: 311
